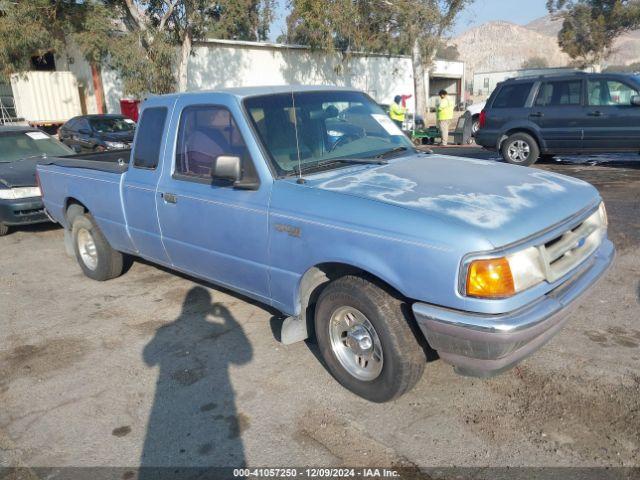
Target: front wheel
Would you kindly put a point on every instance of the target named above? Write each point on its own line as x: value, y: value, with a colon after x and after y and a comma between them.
x: 4, y: 229
x: 366, y: 341
x: 94, y: 254
x: 520, y: 149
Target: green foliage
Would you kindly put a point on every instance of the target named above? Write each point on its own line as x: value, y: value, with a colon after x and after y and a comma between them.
x: 535, y: 62
x: 343, y: 25
x: 590, y: 27
x: 33, y: 27
x: 138, y: 38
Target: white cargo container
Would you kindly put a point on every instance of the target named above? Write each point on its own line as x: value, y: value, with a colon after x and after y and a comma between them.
x: 46, y: 99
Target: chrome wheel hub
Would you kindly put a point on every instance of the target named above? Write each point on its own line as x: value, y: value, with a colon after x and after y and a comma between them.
x: 519, y: 151
x: 87, y: 249
x: 355, y: 343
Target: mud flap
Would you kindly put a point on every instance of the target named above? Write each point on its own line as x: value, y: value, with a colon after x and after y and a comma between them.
x: 68, y: 243
x: 294, y: 329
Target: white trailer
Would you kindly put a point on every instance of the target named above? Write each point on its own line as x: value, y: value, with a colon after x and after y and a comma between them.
x: 46, y: 99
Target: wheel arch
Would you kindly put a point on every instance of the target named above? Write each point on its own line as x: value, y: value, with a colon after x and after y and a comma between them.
x: 529, y: 130
x: 72, y: 208
x: 320, y: 275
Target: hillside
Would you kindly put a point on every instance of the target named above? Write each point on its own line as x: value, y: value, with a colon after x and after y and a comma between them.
x: 503, y: 45
x: 626, y: 48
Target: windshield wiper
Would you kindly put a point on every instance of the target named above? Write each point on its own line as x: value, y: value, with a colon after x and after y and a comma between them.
x: 391, y: 152
x: 319, y: 166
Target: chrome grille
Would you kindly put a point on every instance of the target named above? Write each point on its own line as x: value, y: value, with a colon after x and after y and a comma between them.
x: 564, y: 253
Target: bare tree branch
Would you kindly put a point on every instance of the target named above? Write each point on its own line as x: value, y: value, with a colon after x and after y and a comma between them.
x: 136, y: 15
x: 167, y: 14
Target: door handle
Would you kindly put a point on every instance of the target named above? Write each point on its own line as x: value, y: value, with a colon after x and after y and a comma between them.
x: 169, y: 197
x: 537, y: 114
x: 597, y: 113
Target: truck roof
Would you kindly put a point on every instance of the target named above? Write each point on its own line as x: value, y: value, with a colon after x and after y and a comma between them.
x: 244, y: 92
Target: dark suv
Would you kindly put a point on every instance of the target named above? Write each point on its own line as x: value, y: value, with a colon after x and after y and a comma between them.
x: 532, y: 117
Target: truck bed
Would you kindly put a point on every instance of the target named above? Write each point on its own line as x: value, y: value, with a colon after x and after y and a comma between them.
x: 115, y: 161
x: 92, y: 180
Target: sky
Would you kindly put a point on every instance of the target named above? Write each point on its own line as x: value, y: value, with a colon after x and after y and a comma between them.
x: 481, y: 11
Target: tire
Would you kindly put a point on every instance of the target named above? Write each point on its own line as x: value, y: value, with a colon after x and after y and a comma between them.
x: 475, y: 126
x: 4, y: 229
x: 94, y: 254
x: 520, y: 149
x: 396, y: 359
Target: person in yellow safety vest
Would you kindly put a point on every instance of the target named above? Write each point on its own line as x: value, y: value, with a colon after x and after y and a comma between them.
x: 397, y: 111
x: 444, y: 114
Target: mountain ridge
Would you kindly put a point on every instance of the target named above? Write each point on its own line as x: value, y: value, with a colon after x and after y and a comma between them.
x: 483, y: 48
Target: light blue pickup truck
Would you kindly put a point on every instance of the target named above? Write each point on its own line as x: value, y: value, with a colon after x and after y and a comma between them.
x: 309, y: 199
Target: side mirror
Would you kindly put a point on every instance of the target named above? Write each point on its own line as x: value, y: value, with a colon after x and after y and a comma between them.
x: 635, y: 100
x: 227, y: 167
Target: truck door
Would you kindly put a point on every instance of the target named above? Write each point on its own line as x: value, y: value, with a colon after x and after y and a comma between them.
x: 140, y: 185
x: 210, y: 228
x: 612, y: 121
x: 559, y: 113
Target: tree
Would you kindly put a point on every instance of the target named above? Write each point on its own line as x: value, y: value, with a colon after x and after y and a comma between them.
x: 35, y: 27
x: 414, y: 27
x: 167, y: 23
x: 145, y: 41
x: 590, y: 27
x: 422, y: 25
x: 535, y: 62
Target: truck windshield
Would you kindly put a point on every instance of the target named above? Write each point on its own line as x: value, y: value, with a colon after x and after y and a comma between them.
x: 20, y: 145
x: 323, y: 128
x: 112, y: 125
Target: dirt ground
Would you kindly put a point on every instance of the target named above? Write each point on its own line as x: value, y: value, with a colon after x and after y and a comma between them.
x: 155, y: 368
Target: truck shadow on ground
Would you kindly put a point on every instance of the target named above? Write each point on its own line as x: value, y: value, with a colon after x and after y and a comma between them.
x: 194, y: 423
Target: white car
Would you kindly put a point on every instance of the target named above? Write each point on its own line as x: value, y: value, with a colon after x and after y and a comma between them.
x: 475, y: 109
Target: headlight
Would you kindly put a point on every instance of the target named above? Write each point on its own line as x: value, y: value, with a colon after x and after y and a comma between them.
x: 516, y: 272
x: 20, y: 192
x: 504, y: 276
x: 115, y: 144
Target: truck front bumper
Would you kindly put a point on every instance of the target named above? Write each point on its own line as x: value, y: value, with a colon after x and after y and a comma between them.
x: 483, y: 345
x: 24, y: 211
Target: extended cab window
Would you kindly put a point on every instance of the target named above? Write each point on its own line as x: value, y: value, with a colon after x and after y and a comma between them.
x: 149, y: 138
x: 560, y: 93
x: 512, y: 96
x: 205, y: 133
x: 609, y: 93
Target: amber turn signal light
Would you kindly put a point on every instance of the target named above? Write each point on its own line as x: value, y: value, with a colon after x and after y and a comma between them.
x: 490, y: 278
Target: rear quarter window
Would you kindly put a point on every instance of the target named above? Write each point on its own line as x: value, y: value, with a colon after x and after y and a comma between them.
x: 149, y: 138
x: 512, y: 96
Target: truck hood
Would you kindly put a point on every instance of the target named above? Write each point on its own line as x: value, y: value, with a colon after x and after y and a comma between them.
x: 21, y: 173
x: 502, y: 202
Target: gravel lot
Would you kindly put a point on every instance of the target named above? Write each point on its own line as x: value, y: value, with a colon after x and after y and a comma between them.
x: 155, y: 368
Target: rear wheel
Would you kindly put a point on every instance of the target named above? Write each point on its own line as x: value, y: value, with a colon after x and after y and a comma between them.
x: 366, y: 341
x: 4, y: 229
x: 94, y: 254
x: 475, y: 126
x: 520, y: 149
